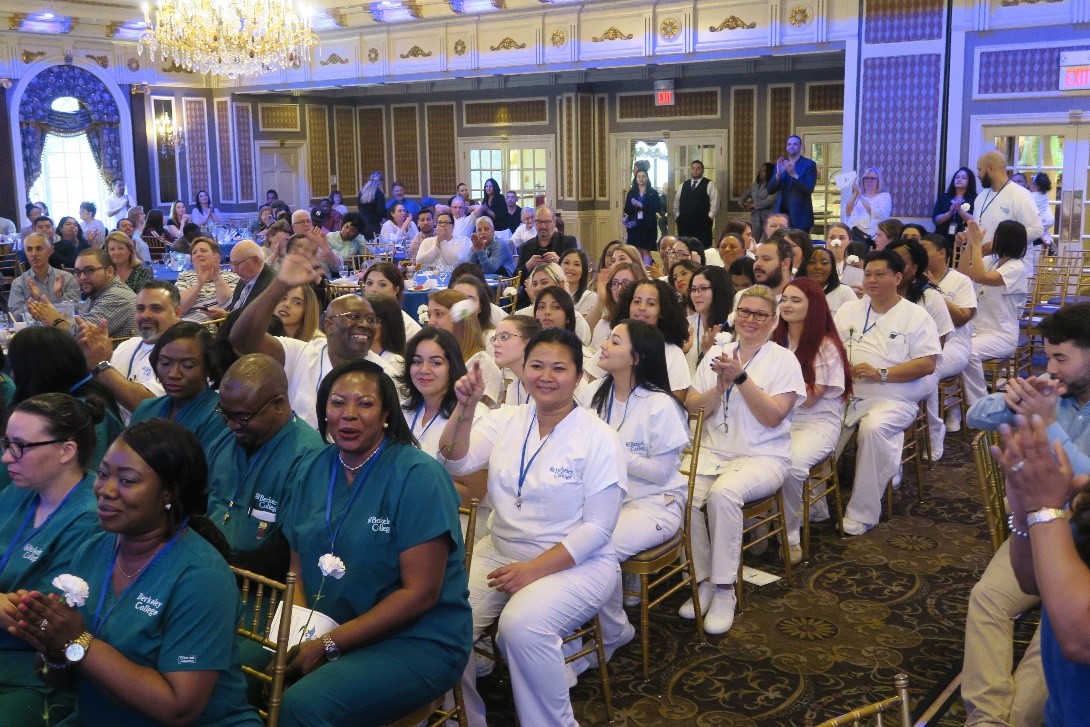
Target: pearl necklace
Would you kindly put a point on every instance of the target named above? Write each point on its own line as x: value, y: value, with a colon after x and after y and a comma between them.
x: 358, y: 467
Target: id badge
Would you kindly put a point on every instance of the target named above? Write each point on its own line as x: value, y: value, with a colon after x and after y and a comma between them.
x: 952, y: 229
x: 639, y: 215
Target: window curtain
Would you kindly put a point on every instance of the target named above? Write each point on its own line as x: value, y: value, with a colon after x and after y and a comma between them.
x: 98, y: 117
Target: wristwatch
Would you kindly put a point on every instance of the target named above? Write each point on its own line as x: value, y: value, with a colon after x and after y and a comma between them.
x: 1044, y: 515
x: 59, y: 320
x: 75, y: 650
x: 883, y: 375
x: 740, y: 378
x: 101, y: 366
x: 332, y: 651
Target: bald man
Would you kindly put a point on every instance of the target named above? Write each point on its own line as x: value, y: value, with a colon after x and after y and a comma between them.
x: 999, y: 200
x: 253, y: 465
x: 248, y: 262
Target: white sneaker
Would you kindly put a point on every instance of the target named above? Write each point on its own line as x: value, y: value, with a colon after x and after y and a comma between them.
x: 854, y: 527
x: 897, y: 478
x: 631, y: 582
x: 795, y: 551
x: 705, y: 591
x: 953, y: 420
x: 721, y: 612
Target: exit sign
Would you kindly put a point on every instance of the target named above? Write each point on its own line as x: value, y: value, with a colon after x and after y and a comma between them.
x: 1074, y: 71
x: 664, y: 93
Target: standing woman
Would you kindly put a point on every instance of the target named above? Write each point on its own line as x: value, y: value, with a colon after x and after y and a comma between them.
x: 619, y: 279
x: 748, y: 390
x: 806, y: 327
x: 949, y: 217
x: 371, y: 201
x: 185, y: 364
x: 493, y: 204
x: 1001, y: 292
x: 576, y: 267
x: 641, y: 207
x: 757, y: 200
x: 508, y: 348
x: 122, y: 254
x: 384, y: 278
x: 204, y: 213
x: 867, y: 206
x: 454, y: 312
x: 404, y: 624
x: 153, y: 643
x: 547, y: 565
x: 711, y: 295
x: 45, y: 516
x: 389, y: 340
x: 821, y: 267
x: 634, y: 399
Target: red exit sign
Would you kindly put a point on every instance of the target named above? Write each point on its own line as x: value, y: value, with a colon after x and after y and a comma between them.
x: 664, y: 98
x: 1075, y: 71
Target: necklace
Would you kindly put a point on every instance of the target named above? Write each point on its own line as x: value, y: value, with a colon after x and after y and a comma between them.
x: 147, y: 562
x: 358, y: 467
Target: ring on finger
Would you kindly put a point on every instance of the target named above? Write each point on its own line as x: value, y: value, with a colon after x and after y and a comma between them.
x: 1018, y: 466
x: 43, y: 624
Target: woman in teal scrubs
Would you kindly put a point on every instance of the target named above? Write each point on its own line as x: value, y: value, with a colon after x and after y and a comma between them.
x: 184, y: 362
x: 390, y: 513
x: 44, y: 517
x: 154, y: 641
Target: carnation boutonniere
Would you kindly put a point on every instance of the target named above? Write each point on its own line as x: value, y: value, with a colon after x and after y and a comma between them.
x: 422, y: 314
x: 331, y: 567
x: 74, y: 588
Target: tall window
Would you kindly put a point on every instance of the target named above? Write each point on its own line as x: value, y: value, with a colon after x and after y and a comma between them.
x: 521, y: 166
x: 69, y: 173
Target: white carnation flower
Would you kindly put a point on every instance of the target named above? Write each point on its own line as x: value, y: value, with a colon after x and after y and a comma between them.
x: 422, y: 314
x: 509, y: 293
x: 722, y: 338
x: 75, y: 589
x: 852, y: 260
x: 463, y: 309
x: 331, y: 566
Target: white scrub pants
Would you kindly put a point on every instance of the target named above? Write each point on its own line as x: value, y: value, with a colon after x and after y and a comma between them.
x: 811, y: 442
x: 881, y: 439
x: 643, y: 523
x: 532, y: 624
x: 717, y: 544
x: 952, y: 362
x: 986, y: 344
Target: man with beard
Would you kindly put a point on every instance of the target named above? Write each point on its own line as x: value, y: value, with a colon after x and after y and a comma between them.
x: 794, y: 181
x: 425, y: 225
x: 1001, y: 200
x: 992, y: 694
x: 771, y: 267
x: 126, y: 370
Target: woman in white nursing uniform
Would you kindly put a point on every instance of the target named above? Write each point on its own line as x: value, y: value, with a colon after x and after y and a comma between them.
x: 806, y: 327
x: 711, y: 294
x: 748, y: 390
x: 512, y: 333
x: 556, y: 478
x: 634, y: 398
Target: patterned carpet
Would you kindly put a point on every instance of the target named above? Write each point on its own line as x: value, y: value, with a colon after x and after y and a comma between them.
x: 860, y: 611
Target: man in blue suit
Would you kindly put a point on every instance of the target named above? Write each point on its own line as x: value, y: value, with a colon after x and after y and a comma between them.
x: 795, y: 179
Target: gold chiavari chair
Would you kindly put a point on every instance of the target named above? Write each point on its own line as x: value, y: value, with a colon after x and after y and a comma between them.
x: 768, y: 512
x: 916, y: 451
x: 952, y: 394
x: 822, y: 482
x: 262, y: 596
x: 878, y: 709
x: 508, y: 302
x: 992, y: 487
x: 10, y: 269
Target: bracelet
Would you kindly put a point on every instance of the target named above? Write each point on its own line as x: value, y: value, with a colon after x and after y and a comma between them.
x: 56, y: 667
x: 1014, y: 530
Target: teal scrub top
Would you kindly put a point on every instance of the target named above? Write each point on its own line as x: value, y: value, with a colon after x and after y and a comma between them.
x: 38, y: 555
x: 406, y: 499
x: 246, y: 494
x: 198, y: 416
x: 180, y: 614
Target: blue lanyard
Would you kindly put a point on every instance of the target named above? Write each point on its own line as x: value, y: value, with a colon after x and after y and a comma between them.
x: 132, y: 360
x: 107, y: 585
x: 866, y: 328
x: 321, y: 366
x: 357, y: 488
x: 416, y: 417
x: 524, y: 466
x: 699, y: 338
x: 609, y: 408
x: 518, y: 392
x: 26, y: 521
x: 249, y: 468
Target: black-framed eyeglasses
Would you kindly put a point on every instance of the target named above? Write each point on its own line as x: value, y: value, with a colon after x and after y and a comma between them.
x: 758, y: 315
x: 355, y: 318
x: 18, y: 449
x: 505, y: 336
x: 700, y: 288
x: 244, y: 419
x: 88, y: 271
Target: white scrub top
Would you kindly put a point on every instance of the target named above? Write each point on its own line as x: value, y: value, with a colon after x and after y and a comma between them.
x: 306, y: 363
x: 998, y: 306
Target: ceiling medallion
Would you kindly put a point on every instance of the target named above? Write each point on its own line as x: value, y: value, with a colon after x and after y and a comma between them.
x: 507, y: 44
x: 732, y: 23
x: 459, y: 47
x: 559, y: 38
x: 333, y: 60
x: 669, y: 28
x: 800, y: 16
x: 611, y: 34
x: 416, y: 52
x: 133, y: 65
x: 372, y: 55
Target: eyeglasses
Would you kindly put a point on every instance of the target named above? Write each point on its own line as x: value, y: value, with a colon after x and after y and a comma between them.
x: 618, y: 284
x: 505, y: 336
x: 443, y: 223
x: 88, y: 271
x: 243, y: 419
x: 676, y: 253
x: 18, y: 449
x: 700, y: 289
x: 543, y: 222
x: 355, y: 318
x: 242, y: 262
x: 758, y: 315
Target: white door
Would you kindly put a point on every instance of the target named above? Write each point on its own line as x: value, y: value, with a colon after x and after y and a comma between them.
x: 826, y: 148
x: 281, y: 168
x: 523, y: 164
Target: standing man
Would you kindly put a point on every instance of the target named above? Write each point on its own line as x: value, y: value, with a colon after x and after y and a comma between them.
x: 795, y: 179
x: 695, y: 204
x: 1000, y: 200
x: 513, y: 216
x: 118, y: 203
x: 248, y: 262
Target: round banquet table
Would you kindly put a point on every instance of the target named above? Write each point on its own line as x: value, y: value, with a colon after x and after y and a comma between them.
x: 413, y: 299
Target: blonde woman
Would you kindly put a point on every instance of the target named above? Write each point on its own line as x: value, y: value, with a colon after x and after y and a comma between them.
x: 542, y: 277
x: 868, y: 205
x: 122, y: 254
x: 610, y: 289
x: 299, y: 312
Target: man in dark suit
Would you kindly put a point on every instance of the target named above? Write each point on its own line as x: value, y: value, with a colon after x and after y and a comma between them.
x: 248, y: 262
x: 545, y: 248
x: 695, y: 204
x: 795, y: 179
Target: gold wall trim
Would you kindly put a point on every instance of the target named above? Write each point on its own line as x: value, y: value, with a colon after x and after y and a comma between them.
x: 611, y: 34
x: 507, y: 43
x: 732, y: 23
x: 416, y: 52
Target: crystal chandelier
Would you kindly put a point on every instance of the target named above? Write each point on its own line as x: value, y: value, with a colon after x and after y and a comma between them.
x: 170, y: 137
x: 229, y: 37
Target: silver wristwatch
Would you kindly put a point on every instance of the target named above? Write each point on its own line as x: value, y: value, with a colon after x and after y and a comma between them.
x: 883, y: 375
x: 1044, y: 515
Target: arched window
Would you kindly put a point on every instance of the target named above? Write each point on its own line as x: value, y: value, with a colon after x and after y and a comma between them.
x: 70, y: 174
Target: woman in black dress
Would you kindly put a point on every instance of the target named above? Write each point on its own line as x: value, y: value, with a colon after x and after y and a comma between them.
x: 641, y: 207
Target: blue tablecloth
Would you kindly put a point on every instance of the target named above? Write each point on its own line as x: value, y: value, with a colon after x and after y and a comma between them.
x: 162, y: 272
x: 416, y: 298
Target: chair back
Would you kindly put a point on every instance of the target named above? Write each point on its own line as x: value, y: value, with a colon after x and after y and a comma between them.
x: 878, y: 709
x: 262, y: 596
x: 508, y: 302
x: 693, y: 450
x: 470, y: 512
x: 992, y: 487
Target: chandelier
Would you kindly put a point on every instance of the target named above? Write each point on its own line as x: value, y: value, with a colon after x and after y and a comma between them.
x: 229, y: 37
x: 170, y: 137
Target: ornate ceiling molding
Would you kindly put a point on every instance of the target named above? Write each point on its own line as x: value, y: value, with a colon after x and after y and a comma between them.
x: 611, y: 34
x: 732, y: 23
x: 507, y: 43
x: 416, y: 52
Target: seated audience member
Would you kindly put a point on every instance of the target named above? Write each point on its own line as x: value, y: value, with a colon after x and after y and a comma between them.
x: 265, y: 219
x: 711, y: 297
x: 190, y: 232
x: 477, y: 291
x: 1002, y: 286
x: 544, y: 276
x: 1061, y: 400
x: 389, y: 340
x: 254, y: 465
x: 177, y: 220
x: 70, y: 241
x: 456, y: 313
x: 325, y: 217
x: 748, y: 390
x: 821, y: 268
x: 634, y: 399
x: 512, y: 334
x: 127, y: 370
x: 303, y: 224
x: 545, y: 247
x: 892, y: 348
x: 127, y: 265
x: 444, y: 248
x: 772, y: 266
x: 686, y: 248
x: 105, y: 298
x: 837, y: 238
x: 47, y: 515
x: 548, y: 565
x: 350, y: 240
x: 492, y: 255
x: 348, y: 323
x: 384, y: 278
x: 425, y: 228
x: 400, y: 227
x: 611, y: 287
x: 276, y: 243
x: 300, y: 314
x: 93, y: 230
x: 204, y: 213
x: 397, y: 196
x: 680, y: 277
x: 154, y: 232
x: 465, y: 218
x: 741, y: 273
x: 774, y: 222
x: 403, y: 633
x: 33, y: 212
x: 526, y: 229
x: 888, y: 231
x: 185, y: 364
x: 41, y: 281
x: 806, y: 327
x: 511, y: 216
x: 206, y: 290
x: 174, y: 661
x: 801, y: 247
x: 337, y: 201
x: 913, y: 231
x: 248, y: 263
x: 730, y: 247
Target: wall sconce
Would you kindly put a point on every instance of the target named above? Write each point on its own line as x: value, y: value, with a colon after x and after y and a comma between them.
x: 171, y: 139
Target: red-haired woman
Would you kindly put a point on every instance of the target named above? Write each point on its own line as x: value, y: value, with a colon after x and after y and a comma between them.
x: 806, y: 327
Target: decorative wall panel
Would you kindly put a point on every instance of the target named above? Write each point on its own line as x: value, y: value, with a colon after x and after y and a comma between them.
x: 601, y: 119
x: 278, y: 117
x: 166, y: 166
x: 688, y: 105
x: 224, y: 151
x: 781, y: 115
x: 244, y: 152
x: 1032, y: 69
x: 900, y: 145
x: 344, y: 138
x: 318, y: 150
x: 567, y: 147
x: 586, y: 146
x: 372, y: 141
x: 442, y: 156
x: 743, y: 121
x: 406, y: 149
x: 824, y: 98
x: 900, y: 21
x: 506, y: 113
x: 196, y: 146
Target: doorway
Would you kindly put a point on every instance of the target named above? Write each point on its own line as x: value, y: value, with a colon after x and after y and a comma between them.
x: 280, y: 166
x: 521, y: 164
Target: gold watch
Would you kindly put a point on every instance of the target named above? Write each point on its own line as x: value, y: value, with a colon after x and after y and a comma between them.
x: 75, y: 650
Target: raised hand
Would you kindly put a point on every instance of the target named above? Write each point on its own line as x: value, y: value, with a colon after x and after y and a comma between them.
x: 33, y: 291
x: 470, y: 388
x: 58, y: 287
x: 297, y: 269
x: 94, y: 341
